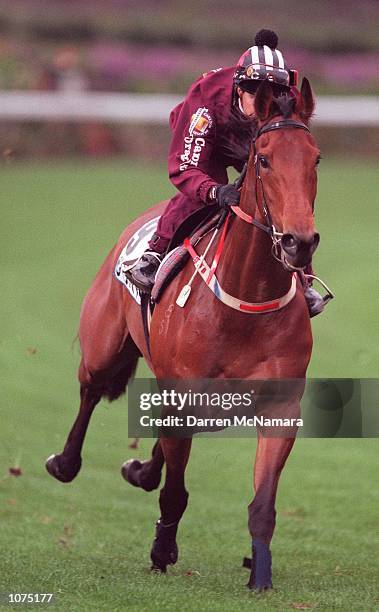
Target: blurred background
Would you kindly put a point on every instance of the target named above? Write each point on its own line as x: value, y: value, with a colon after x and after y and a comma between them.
x: 86, y: 88
x: 76, y: 47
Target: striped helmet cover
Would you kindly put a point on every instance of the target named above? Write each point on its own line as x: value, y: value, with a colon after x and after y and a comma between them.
x: 260, y: 63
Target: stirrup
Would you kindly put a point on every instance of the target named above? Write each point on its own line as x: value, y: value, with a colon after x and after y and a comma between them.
x: 329, y: 294
x: 315, y: 301
x: 157, y: 256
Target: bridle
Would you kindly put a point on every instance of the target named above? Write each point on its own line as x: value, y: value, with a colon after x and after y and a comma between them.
x: 208, y: 273
x: 269, y: 227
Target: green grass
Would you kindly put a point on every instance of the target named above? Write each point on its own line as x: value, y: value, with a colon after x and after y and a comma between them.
x: 89, y: 542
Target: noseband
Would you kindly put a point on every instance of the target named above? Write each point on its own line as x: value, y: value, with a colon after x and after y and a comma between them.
x: 269, y: 228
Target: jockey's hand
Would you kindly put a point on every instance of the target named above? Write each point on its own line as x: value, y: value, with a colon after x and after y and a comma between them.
x: 226, y: 195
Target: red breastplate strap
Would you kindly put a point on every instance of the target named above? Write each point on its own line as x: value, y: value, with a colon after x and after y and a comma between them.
x: 242, y: 215
x: 207, y: 273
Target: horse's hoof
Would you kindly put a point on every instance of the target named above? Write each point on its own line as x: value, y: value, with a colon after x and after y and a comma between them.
x: 130, y: 471
x: 158, y: 568
x: 160, y: 559
x: 259, y: 590
x: 133, y: 472
x: 260, y: 576
x: 62, y: 471
x: 165, y: 550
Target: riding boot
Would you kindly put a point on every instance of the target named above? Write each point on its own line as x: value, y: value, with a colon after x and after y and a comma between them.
x: 315, y: 301
x: 144, y: 272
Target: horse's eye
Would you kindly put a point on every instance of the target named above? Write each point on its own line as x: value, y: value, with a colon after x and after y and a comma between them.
x: 263, y: 162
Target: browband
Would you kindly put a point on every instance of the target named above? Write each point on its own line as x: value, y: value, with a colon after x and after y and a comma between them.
x: 278, y: 125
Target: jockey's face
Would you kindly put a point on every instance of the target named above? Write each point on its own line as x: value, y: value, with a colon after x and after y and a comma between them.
x: 247, y: 102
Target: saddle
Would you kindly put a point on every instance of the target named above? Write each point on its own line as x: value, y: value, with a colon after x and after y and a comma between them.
x: 194, y: 227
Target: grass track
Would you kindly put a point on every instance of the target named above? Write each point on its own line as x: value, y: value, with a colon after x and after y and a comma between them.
x: 89, y: 542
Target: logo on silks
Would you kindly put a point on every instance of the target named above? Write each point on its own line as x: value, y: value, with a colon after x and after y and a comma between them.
x: 201, y: 122
x: 191, y: 154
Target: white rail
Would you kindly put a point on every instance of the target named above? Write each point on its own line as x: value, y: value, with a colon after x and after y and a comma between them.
x: 155, y: 108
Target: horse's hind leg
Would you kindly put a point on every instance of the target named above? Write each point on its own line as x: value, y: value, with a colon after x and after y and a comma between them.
x: 65, y: 467
x: 109, y: 383
x: 173, y: 502
x: 270, y: 458
x: 109, y: 359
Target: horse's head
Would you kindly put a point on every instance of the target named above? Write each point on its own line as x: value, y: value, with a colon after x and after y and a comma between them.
x: 285, y: 159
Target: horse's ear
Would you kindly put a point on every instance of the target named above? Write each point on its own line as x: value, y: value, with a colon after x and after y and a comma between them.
x: 263, y: 100
x: 307, y: 101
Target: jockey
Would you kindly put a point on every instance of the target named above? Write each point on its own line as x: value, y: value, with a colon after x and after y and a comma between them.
x: 212, y: 130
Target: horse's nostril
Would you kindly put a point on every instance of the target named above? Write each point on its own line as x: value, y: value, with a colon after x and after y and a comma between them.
x: 289, y: 243
x: 313, y: 243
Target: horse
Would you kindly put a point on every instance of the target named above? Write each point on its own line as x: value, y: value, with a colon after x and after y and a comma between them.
x: 271, y: 235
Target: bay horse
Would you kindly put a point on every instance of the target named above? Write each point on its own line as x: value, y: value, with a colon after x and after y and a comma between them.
x: 271, y: 234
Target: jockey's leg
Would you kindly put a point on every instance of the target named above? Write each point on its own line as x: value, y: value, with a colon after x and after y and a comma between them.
x: 178, y: 208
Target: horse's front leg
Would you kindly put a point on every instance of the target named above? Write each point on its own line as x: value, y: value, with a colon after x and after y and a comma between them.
x: 173, y: 502
x: 145, y: 474
x: 270, y: 458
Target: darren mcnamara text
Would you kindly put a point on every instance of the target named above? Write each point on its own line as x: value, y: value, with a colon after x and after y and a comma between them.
x: 235, y: 421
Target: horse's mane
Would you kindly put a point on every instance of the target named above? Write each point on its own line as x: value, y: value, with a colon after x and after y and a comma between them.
x: 234, y: 144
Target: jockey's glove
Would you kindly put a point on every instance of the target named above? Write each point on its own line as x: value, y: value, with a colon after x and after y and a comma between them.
x: 224, y: 195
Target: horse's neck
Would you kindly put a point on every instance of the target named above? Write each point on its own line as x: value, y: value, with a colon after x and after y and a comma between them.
x: 247, y: 268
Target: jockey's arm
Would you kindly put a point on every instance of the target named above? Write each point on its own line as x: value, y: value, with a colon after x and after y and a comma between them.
x: 194, y: 134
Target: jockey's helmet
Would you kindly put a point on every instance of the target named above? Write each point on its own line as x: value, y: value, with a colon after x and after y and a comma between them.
x: 264, y: 61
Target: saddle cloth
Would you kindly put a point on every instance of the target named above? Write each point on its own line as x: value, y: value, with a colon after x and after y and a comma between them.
x: 131, y: 253
x: 171, y: 264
